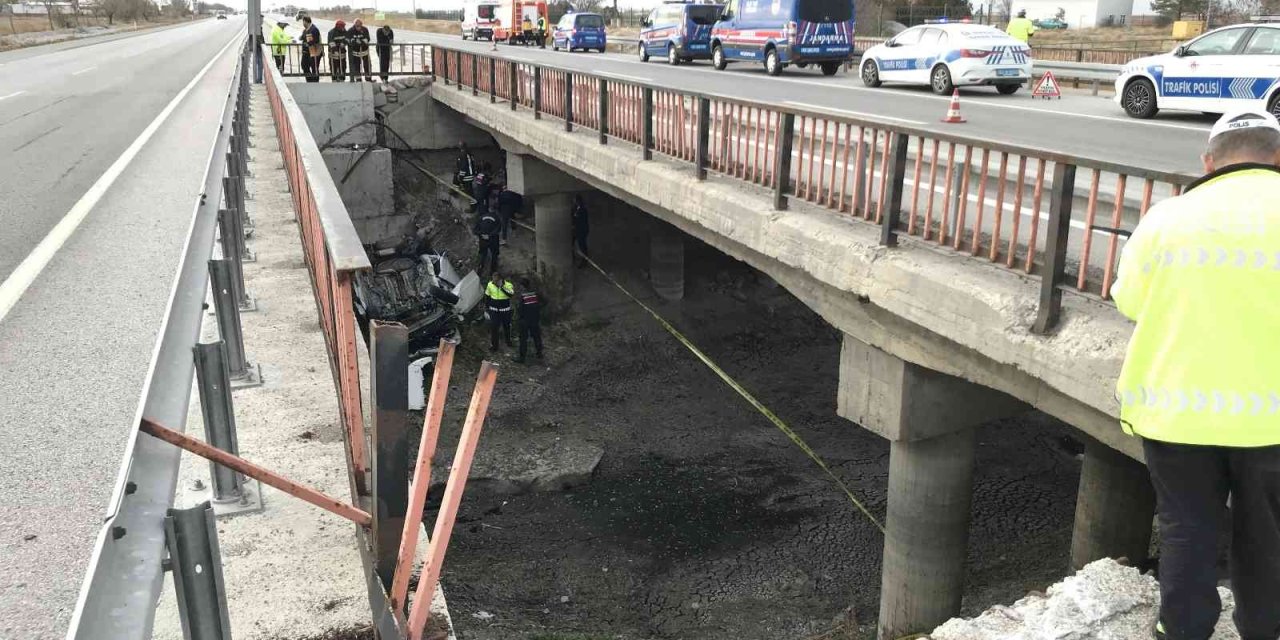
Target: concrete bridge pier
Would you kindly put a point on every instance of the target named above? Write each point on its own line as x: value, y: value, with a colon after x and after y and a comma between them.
x: 666, y: 261
x: 929, y: 417
x: 1114, y: 508
x: 551, y: 192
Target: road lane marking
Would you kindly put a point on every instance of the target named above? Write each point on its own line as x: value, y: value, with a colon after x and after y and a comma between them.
x: 76, y: 73
x: 624, y: 76
x: 20, y: 279
x: 837, y: 111
x: 15, y: 93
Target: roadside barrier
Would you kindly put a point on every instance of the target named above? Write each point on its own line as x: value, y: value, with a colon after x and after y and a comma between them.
x: 966, y: 194
x: 407, y: 59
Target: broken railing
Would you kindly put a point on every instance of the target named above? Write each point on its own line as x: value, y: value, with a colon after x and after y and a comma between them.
x: 1017, y: 207
x: 408, y: 59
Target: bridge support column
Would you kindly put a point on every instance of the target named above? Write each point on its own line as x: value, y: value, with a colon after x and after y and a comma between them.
x: 929, y: 417
x: 553, y: 217
x: 666, y: 261
x: 1114, y: 508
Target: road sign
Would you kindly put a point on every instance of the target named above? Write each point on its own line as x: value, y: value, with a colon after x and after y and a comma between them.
x: 1047, y: 87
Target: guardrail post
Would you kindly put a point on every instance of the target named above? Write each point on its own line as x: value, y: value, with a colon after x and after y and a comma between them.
x: 537, y: 93
x: 603, y: 114
x: 232, y: 241
x: 513, y: 83
x: 897, y: 182
x: 646, y: 114
x: 704, y: 136
x: 782, y: 175
x: 389, y: 378
x: 1055, y: 247
x: 475, y: 75
x: 444, y: 65
x: 493, y: 80
x: 192, y: 538
x: 227, y: 310
x: 214, y: 382
x: 457, y: 68
x: 568, y: 101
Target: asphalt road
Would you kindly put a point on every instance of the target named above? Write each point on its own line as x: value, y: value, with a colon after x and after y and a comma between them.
x: 1078, y: 124
x: 75, y: 347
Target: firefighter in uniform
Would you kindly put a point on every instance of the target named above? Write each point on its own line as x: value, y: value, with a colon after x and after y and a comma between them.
x: 338, y: 51
x: 358, y: 44
x: 498, y: 299
x: 1200, y: 385
x: 529, y: 307
x: 312, y: 51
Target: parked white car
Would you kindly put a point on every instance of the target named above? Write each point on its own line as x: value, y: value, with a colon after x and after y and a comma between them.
x: 1234, y: 67
x: 946, y: 56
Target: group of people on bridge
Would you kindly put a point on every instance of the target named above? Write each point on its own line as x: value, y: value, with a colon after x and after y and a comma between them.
x: 347, y: 50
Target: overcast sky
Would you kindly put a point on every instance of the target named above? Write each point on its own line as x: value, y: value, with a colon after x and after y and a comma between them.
x: 397, y: 5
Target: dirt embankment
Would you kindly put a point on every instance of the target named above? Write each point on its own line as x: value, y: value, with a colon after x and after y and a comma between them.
x: 702, y: 521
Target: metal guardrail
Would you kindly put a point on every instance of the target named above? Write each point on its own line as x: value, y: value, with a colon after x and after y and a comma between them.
x: 859, y: 167
x: 407, y: 59
x: 126, y: 571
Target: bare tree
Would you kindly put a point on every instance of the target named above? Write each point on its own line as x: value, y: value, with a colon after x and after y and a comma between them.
x: 1006, y: 9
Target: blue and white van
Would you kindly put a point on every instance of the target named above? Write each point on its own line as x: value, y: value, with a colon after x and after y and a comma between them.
x: 579, y: 31
x: 785, y: 32
x: 679, y: 31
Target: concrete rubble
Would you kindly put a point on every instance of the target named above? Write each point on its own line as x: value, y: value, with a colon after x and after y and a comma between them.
x: 1104, y: 601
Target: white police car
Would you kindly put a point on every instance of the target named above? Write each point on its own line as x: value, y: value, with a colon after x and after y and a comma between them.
x: 1230, y: 68
x: 945, y: 56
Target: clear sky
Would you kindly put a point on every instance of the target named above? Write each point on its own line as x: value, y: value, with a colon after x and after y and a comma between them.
x: 396, y: 5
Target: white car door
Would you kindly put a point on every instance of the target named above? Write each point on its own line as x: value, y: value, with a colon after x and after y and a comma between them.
x: 898, y: 58
x: 1259, y: 68
x: 1199, y: 76
x: 931, y: 48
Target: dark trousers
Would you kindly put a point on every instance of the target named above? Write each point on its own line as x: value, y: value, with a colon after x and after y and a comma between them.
x: 1192, y: 485
x: 489, y: 248
x: 311, y: 67
x: 279, y: 62
x: 384, y: 62
x: 499, y: 320
x: 580, y: 243
x: 360, y: 68
x: 339, y: 68
x: 527, y: 331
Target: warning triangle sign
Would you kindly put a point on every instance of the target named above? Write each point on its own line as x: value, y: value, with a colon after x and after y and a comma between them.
x: 1047, y: 87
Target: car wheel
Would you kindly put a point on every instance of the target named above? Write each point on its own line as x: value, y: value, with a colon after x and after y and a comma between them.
x: 554, y: 46
x: 644, y: 55
x: 1274, y: 105
x: 717, y: 58
x: 772, y: 65
x: 464, y: 35
x: 830, y: 68
x: 1139, y: 99
x: 673, y: 58
x: 870, y: 74
x: 940, y: 80
x: 1008, y: 89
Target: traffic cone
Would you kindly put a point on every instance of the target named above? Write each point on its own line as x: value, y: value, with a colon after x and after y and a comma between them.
x: 953, y: 112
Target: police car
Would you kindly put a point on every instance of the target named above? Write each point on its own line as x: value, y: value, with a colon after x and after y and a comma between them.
x: 945, y: 56
x: 1226, y: 69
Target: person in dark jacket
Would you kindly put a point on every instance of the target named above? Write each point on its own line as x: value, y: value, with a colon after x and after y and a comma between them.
x: 581, y: 227
x: 338, y: 51
x: 509, y: 202
x: 312, y: 50
x: 482, y: 184
x: 466, y: 168
x: 385, y: 37
x: 358, y: 44
x: 487, y: 232
x: 529, y: 313
x: 498, y: 300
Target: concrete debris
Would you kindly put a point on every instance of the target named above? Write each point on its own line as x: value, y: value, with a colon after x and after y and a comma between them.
x: 1104, y: 601
x: 482, y: 615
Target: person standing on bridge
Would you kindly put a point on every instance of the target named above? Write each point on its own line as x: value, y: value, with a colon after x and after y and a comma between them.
x: 338, y: 51
x: 358, y: 43
x: 542, y: 32
x: 1200, y: 385
x: 1020, y: 27
x: 279, y: 44
x: 498, y: 296
x: 311, y: 50
x: 385, y: 37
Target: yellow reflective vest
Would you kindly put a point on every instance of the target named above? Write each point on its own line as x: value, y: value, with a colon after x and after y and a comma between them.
x: 278, y: 39
x: 1020, y: 28
x: 500, y: 296
x: 1201, y: 278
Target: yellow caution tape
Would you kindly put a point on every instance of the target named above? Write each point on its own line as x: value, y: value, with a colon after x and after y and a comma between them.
x: 777, y: 422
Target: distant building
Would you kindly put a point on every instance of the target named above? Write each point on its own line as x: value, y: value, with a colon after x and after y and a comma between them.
x: 1080, y: 14
x: 38, y: 9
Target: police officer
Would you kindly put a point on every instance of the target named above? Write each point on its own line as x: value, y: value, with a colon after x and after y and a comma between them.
x: 542, y: 32
x: 529, y: 307
x: 338, y: 51
x: 498, y: 298
x: 488, y: 231
x: 1020, y: 27
x: 279, y: 44
x: 358, y: 44
x: 1199, y: 383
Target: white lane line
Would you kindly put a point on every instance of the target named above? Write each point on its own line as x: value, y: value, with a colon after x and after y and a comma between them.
x: 76, y: 73
x: 835, y: 111
x: 16, y: 284
x: 15, y: 93
x: 624, y: 76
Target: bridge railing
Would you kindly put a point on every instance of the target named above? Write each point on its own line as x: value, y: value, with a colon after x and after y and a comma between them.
x: 1020, y: 208
x: 407, y: 59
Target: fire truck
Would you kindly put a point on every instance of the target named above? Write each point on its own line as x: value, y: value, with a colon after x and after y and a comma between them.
x: 511, y: 13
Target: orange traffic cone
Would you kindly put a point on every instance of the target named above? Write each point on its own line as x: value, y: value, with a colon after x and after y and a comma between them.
x: 953, y: 112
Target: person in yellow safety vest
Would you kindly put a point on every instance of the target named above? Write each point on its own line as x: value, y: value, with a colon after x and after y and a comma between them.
x: 278, y: 41
x: 1020, y: 27
x: 542, y: 32
x: 526, y: 30
x: 498, y: 296
x: 1201, y: 379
